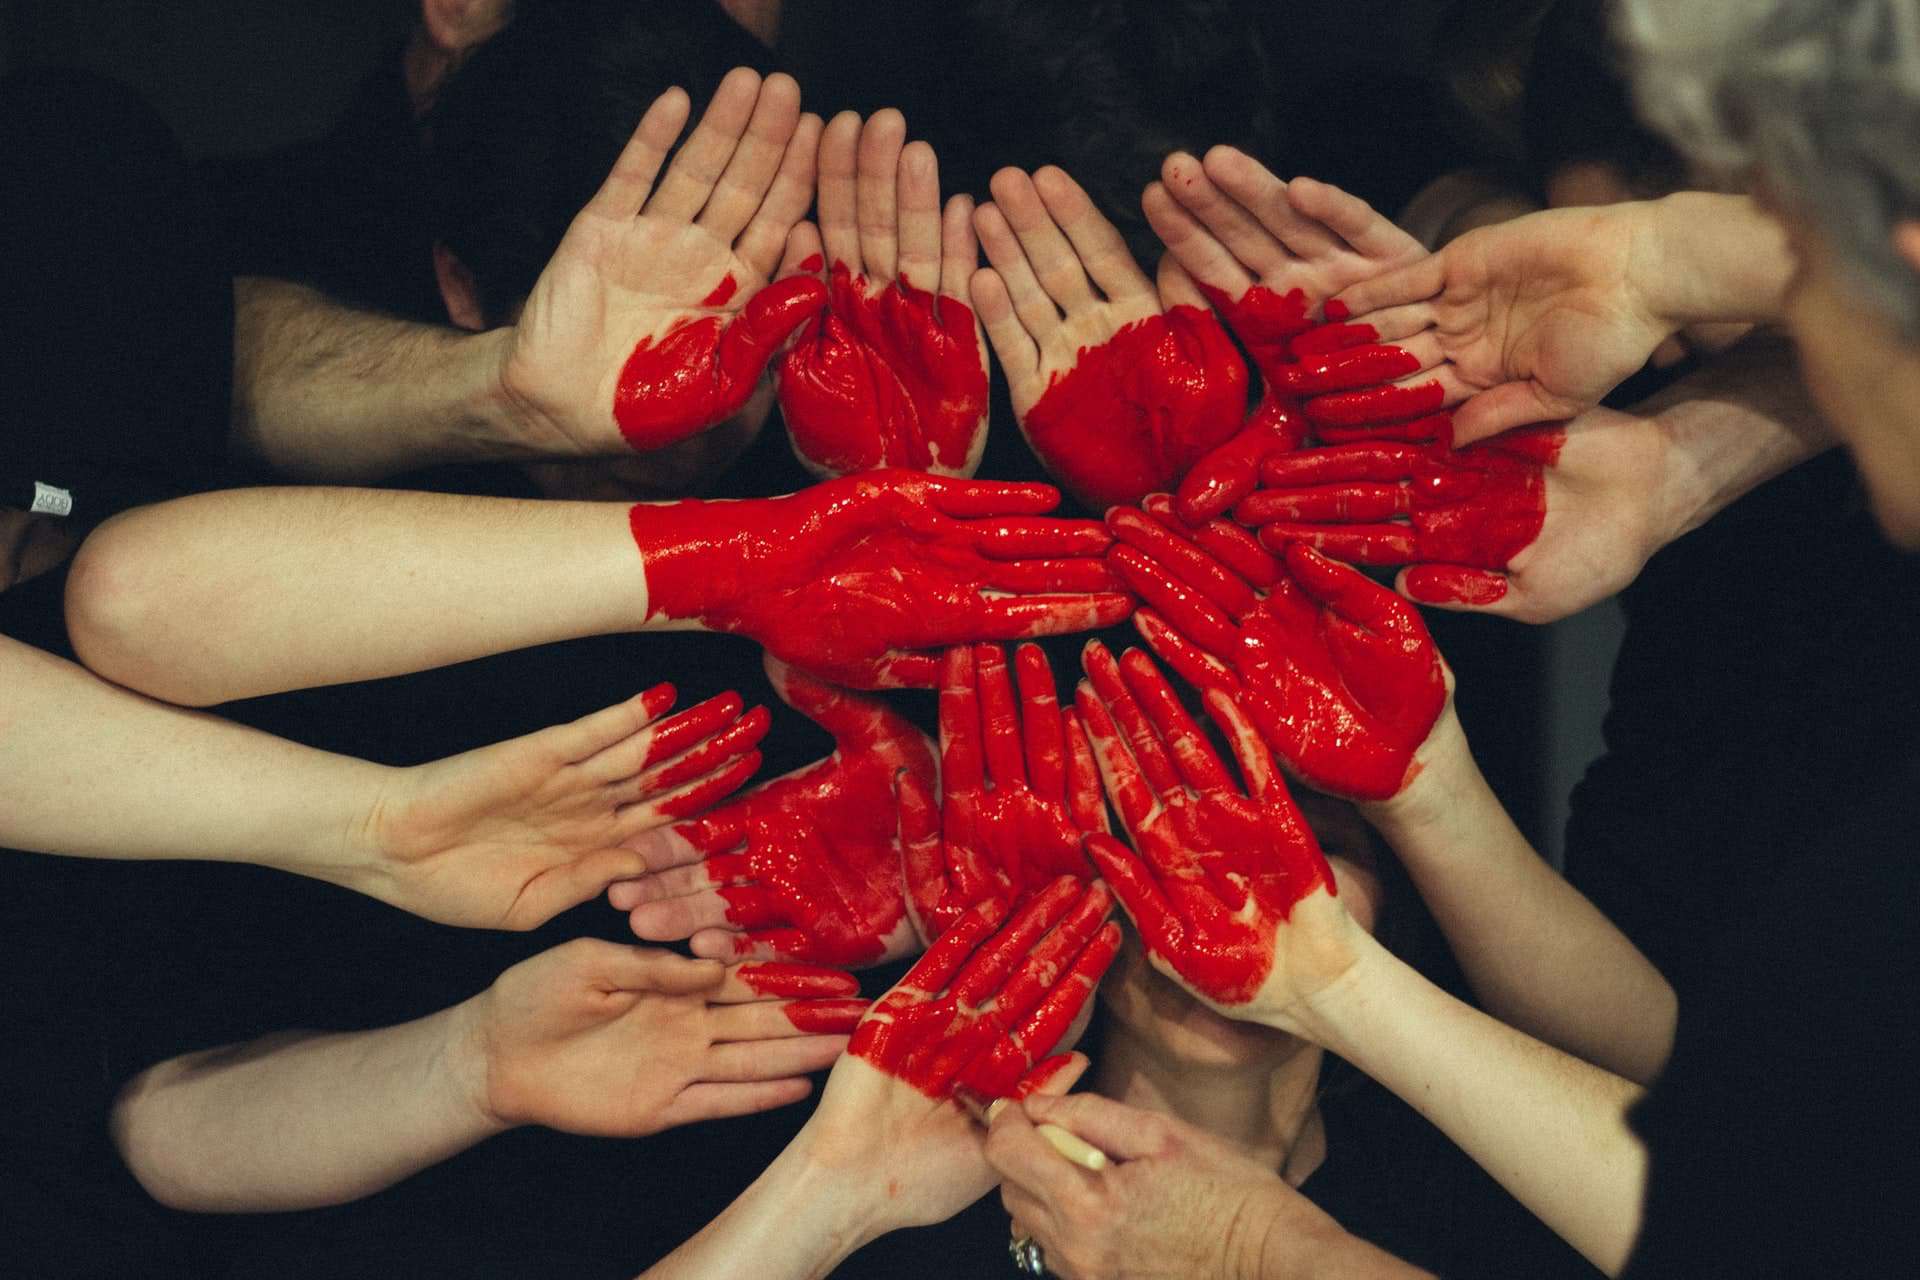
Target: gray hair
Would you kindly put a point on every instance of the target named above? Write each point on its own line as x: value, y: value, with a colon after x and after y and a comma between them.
x: 1819, y: 98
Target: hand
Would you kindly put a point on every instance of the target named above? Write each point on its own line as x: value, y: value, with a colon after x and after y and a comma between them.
x: 1266, y: 254
x: 1232, y: 896
x: 615, y: 1041
x: 509, y: 836
x: 1539, y: 317
x: 894, y: 372
x: 654, y: 320
x: 860, y: 580
x: 1018, y: 789
x: 1119, y: 395
x: 1175, y: 1202
x: 1339, y: 674
x: 806, y: 867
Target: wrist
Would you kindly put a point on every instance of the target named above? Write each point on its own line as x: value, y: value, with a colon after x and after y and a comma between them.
x: 1711, y: 257
x: 1324, y: 1016
x: 839, y: 1188
x: 505, y: 424
x: 1443, y: 773
x: 466, y: 1068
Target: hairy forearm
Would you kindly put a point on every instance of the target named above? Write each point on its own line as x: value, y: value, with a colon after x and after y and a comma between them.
x: 254, y: 591
x: 1713, y: 257
x: 302, y: 1120
x: 1537, y: 954
x: 324, y: 392
x: 91, y: 770
x: 1549, y: 1127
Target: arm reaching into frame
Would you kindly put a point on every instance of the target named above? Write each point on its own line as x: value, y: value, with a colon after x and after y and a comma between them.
x: 503, y: 837
x: 653, y: 321
x: 591, y: 1037
x: 1116, y: 393
x: 1019, y: 788
x: 894, y: 372
x: 861, y: 580
x: 805, y: 867
x: 1540, y: 317
x: 1267, y: 255
x: 1244, y: 916
x: 888, y: 1147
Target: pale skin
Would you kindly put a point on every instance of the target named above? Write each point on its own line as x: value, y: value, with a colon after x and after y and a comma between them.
x: 312, y: 378
x: 505, y: 836
x: 591, y: 1037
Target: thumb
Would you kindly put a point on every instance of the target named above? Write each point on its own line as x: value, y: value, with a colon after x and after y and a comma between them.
x: 1123, y: 1132
x: 570, y: 884
x: 769, y: 319
x: 1449, y: 586
x: 1506, y: 406
x: 655, y: 969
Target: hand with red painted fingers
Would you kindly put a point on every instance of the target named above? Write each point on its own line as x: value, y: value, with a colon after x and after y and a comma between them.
x: 1117, y: 394
x: 1229, y: 890
x: 894, y: 372
x: 888, y: 1147
x: 655, y: 320
x: 1338, y: 673
x: 508, y: 836
x: 597, y: 1038
x: 1173, y: 1201
x: 863, y: 580
x: 1267, y: 254
x: 805, y: 867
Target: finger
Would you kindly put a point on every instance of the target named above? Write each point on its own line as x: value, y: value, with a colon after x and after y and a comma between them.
x: 571, y: 883
x: 781, y: 944
x: 1329, y: 503
x: 1196, y: 666
x: 701, y: 792
x: 856, y: 722
x: 1053, y: 1075
x: 959, y: 248
x: 1199, y: 767
x: 999, y: 717
x: 1045, y: 743
x: 1140, y: 894
x: 790, y: 1055
x: 1250, y: 750
x: 1096, y: 242
x: 1203, y: 258
x: 1175, y: 287
x: 1353, y: 543
x: 1505, y: 407
x: 934, y: 970
x: 1043, y: 999
x: 1035, y: 1176
x: 1415, y: 282
x: 699, y: 1102
x: 1055, y: 266
x: 679, y: 918
x: 1239, y: 232
x: 1033, y: 308
x: 1027, y: 617
x: 593, y: 734
x: 876, y: 192
x: 1123, y: 1132
x: 987, y: 969
x: 765, y: 980
x: 631, y: 179
x: 1417, y: 396
x: 1005, y: 333
x: 1033, y: 577
x: 838, y: 184
x: 1027, y: 538
x: 764, y: 1020
x: 923, y: 856
x: 918, y: 198
x: 1196, y: 616
x: 1176, y: 555
x: 1449, y: 586
x: 1385, y: 462
x: 1367, y: 365
x: 1132, y: 797
x: 744, y: 184
x: 964, y: 499
x: 702, y: 158
x: 784, y: 208
x: 622, y: 967
x: 1435, y: 428
x: 804, y: 254
x: 1231, y: 470
x: 1365, y: 230
x: 963, y: 769
x: 705, y: 757
x: 674, y: 736
x: 681, y: 882
x: 1086, y: 806
x: 1224, y: 540
x: 1352, y: 594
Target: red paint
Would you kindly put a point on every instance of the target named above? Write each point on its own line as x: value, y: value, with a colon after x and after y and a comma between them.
x: 702, y: 369
x: 1220, y: 868
x: 888, y: 376
x: 812, y: 262
x: 711, y: 790
x: 1134, y: 413
x: 862, y: 579
x: 1266, y: 324
x: 1446, y: 584
x: 1375, y: 405
x: 1019, y: 790
x: 737, y: 738
x: 695, y: 724
x: 1345, y: 370
x: 1476, y: 508
x: 727, y: 287
x: 981, y: 1007
x: 1339, y: 673
x: 826, y: 1017
x: 809, y: 864
x: 698, y: 756
x: 821, y: 998
x: 1230, y: 472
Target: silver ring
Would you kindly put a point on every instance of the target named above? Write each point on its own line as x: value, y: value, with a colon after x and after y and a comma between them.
x: 1028, y: 1258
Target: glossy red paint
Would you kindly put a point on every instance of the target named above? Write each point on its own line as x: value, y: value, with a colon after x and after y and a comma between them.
x: 822, y: 1000
x: 1134, y: 413
x: 1219, y: 869
x: 983, y: 1006
x: 862, y: 579
x: 727, y: 287
x: 702, y: 369
x: 1338, y: 673
x: 699, y: 756
x: 1019, y: 789
x: 1447, y: 584
x: 887, y: 376
x: 809, y: 863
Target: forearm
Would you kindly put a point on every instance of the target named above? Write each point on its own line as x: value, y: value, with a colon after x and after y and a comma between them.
x: 1713, y: 257
x: 247, y: 592
x: 1731, y: 426
x: 796, y: 1222
x: 1550, y: 1128
x: 302, y: 1120
x: 324, y: 392
x: 1330, y: 1253
x: 1537, y: 954
x: 91, y: 770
